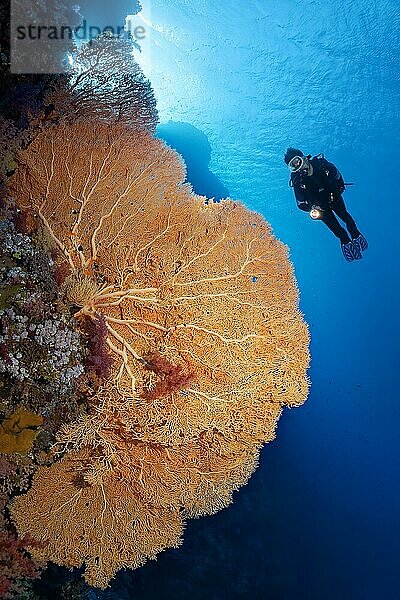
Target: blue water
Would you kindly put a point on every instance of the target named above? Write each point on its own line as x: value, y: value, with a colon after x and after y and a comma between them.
x: 240, y: 82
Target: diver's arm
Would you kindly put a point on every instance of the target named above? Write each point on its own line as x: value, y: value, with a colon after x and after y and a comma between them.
x: 304, y: 206
x: 302, y: 202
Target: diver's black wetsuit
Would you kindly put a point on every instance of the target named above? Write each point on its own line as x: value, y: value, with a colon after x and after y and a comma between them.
x: 324, y: 188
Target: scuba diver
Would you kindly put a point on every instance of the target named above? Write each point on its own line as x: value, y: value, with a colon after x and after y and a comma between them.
x: 318, y: 187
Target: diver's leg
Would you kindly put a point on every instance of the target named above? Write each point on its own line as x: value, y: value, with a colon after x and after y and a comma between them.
x: 340, y: 209
x: 331, y: 221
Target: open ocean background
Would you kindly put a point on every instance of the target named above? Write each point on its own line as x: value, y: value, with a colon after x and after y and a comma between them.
x: 236, y: 83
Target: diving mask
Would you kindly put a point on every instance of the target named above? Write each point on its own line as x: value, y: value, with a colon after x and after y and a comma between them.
x: 298, y: 163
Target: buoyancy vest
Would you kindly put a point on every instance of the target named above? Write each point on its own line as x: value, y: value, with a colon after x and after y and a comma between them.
x: 324, y: 181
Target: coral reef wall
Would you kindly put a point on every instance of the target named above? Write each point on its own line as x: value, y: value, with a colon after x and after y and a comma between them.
x: 200, y: 307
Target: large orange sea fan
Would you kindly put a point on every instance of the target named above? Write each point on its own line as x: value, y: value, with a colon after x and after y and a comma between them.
x: 202, y: 286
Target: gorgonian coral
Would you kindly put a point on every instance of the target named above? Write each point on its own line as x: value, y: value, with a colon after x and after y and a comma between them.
x: 106, y: 84
x: 201, y: 309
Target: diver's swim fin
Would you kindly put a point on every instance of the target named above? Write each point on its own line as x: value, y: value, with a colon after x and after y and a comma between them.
x: 351, y: 251
x: 360, y: 242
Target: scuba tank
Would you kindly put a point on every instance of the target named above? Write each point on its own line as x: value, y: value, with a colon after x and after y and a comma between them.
x: 322, y: 155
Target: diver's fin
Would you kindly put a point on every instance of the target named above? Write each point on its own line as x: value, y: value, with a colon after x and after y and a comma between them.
x: 347, y: 253
x: 356, y: 251
x: 360, y: 242
x: 351, y: 251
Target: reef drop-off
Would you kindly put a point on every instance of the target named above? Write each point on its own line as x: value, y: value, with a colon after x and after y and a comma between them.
x: 199, y: 306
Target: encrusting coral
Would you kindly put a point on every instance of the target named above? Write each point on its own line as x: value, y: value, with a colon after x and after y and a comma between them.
x: 39, y: 348
x: 201, y: 309
x: 18, y: 432
x: 11, y: 139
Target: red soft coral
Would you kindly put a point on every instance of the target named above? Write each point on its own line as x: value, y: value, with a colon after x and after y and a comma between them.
x: 99, y: 359
x: 15, y: 564
x: 173, y: 378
